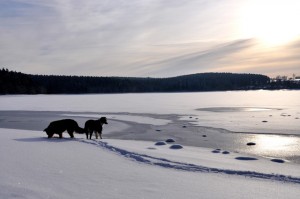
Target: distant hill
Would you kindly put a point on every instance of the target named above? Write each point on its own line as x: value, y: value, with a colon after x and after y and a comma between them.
x: 19, y: 83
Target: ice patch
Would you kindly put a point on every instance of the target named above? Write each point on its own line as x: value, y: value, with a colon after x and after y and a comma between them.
x: 130, y: 118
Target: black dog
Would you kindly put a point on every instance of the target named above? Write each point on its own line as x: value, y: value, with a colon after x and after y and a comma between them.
x: 94, y: 126
x: 59, y: 126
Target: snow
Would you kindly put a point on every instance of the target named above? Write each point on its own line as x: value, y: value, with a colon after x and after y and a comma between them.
x: 33, y: 166
x: 135, y: 159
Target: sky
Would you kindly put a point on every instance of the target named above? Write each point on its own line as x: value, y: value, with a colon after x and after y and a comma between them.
x: 150, y: 38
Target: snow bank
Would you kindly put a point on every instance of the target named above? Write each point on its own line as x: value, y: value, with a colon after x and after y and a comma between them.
x: 33, y: 166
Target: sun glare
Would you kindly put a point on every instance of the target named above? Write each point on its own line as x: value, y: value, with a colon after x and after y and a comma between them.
x: 273, y: 142
x: 274, y: 22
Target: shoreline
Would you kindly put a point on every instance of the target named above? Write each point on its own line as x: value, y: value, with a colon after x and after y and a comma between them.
x: 183, y: 131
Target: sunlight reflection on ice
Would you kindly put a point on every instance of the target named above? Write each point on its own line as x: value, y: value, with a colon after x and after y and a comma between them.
x: 274, y: 145
x: 275, y: 142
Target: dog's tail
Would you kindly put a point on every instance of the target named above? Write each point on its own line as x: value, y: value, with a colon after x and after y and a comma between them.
x: 79, y: 130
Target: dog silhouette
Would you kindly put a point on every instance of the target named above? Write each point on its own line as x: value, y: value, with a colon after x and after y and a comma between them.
x: 94, y: 126
x: 59, y: 126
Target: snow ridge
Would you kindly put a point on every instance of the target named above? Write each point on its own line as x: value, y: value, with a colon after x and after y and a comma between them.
x: 165, y: 163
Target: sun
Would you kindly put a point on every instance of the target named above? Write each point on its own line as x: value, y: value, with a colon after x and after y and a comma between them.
x: 274, y: 22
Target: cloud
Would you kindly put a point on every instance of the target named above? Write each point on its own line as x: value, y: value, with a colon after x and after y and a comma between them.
x: 199, y: 61
x: 241, y: 56
x: 130, y: 38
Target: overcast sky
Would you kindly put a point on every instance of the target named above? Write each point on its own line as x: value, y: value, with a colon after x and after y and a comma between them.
x: 156, y: 38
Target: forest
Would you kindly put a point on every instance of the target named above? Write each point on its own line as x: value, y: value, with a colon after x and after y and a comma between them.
x: 12, y: 82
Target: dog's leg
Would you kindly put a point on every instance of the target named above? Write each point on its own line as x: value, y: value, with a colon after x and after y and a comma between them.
x: 60, y: 135
x: 100, y: 133
x: 71, y: 133
x: 96, y: 134
x: 91, y: 133
x: 88, y: 132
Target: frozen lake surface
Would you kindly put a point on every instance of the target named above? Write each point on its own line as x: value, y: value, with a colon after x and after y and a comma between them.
x: 226, y: 120
x: 273, y: 112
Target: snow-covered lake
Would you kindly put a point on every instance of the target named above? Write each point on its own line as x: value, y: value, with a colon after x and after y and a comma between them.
x: 131, y: 160
x: 241, y: 111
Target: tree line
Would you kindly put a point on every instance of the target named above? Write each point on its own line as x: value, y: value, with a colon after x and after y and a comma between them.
x: 12, y: 82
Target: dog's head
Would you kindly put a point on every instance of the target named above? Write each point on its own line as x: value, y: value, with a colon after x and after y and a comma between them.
x: 103, y: 120
x: 46, y: 130
x: 49, y: 132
